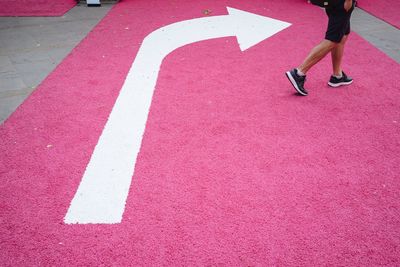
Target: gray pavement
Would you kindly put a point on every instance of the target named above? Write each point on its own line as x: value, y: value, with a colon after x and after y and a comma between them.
x: 30, y: 48
x: 379, y: 33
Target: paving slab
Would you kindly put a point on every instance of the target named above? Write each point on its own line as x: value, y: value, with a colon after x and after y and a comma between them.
x: 9, y: 101
x: 31, y: 47
x: 379, y: 33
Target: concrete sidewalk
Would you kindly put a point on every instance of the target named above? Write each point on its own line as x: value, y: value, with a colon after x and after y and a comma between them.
x: 30, y: 48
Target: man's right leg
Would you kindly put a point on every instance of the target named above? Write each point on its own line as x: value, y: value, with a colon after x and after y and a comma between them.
x: 316, y: 54
x: 297, y: 77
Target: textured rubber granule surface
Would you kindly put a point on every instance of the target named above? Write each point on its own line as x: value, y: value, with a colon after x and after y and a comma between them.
x: 234, y: 168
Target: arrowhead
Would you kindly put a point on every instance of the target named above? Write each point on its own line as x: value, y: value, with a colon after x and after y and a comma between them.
x: 251, y: 28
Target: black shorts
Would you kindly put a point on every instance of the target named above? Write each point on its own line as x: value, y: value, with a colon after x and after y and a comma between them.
x: 339, y: 22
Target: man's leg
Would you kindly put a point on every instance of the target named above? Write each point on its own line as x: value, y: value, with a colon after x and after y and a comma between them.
x: 316, y: 54
x: 339, y: 78
x: 337, y: 56
x: 298, y: 76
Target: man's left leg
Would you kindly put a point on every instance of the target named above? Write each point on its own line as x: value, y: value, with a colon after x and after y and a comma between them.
x: 337, y: 56
x: 339, y: 78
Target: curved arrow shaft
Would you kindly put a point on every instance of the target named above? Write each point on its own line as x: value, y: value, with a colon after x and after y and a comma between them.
x: 102, y: 193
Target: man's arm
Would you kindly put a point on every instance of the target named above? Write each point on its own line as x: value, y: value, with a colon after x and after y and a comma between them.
x: 348, y: 4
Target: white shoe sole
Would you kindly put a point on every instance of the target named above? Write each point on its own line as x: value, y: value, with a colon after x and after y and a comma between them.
x: 292, y: 80
x: 339, y: 84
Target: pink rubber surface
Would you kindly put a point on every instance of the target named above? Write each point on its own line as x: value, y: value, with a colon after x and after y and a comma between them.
x: 234, y: 169
x: 387, y: 10
x: 35, y: 8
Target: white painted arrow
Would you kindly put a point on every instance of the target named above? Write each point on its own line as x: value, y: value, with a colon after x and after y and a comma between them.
x: 103, y: 191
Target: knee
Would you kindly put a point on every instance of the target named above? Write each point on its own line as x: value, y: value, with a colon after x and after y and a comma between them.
x: 332, y: 45
x: 344, y: 39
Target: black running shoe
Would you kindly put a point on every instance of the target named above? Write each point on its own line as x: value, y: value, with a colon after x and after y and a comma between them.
x: 336, y: 82
x: 297, y: 81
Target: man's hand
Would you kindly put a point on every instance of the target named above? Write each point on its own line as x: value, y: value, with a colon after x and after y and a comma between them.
x: 348, y: 4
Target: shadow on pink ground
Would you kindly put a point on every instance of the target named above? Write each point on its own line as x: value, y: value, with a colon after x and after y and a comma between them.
x: 235, y: 169
x: 35, y: 8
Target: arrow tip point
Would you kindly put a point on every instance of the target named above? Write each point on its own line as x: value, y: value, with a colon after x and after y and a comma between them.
x: 252, y: 28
